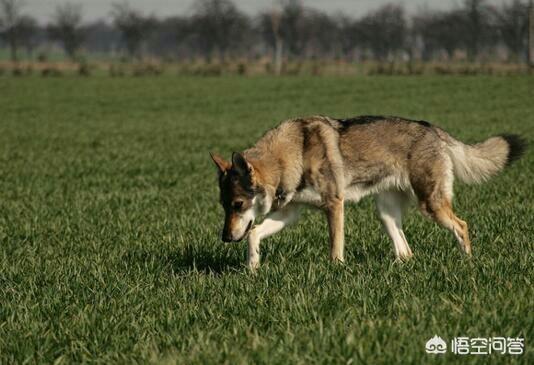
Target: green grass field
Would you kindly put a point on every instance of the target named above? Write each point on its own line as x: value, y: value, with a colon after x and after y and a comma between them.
x: 110, y: 246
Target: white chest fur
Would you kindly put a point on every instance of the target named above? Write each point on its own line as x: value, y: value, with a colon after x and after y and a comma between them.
x: 307, y: 196
x: 310, y: 196
x: 356, y: 192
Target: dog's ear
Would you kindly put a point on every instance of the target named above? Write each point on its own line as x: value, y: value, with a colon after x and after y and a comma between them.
x: 221, y: 163
x: 240, y: 164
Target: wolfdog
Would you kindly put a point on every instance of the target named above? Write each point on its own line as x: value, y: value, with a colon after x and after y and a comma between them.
x: 325, y: 162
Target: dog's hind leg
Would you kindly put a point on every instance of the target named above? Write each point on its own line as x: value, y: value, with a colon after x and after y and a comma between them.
x: 390, y: 207
x: 272, y: 224
x: 434, y: 192
x: 443, y: 214
x: 335, y: 216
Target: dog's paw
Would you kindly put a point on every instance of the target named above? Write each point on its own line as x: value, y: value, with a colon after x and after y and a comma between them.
x: 253, y: 265
x: 337, y: 259
x: 404, y: 258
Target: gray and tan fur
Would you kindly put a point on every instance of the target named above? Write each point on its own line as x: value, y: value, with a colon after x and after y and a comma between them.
x: 325, y: 162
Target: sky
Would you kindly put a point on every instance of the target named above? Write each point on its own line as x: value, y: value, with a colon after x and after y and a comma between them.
x: 95, y: 9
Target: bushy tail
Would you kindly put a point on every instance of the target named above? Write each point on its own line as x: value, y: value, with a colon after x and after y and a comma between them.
x: 476, y: 163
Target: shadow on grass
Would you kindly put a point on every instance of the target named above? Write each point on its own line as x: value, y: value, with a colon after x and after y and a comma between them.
x: 205, y: 261
x: 363, y: 253
x: 189, y: 259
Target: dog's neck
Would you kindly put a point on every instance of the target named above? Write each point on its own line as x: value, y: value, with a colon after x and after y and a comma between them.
x: 267, y: 171
x: 269, y: 175
x: 269, y: 158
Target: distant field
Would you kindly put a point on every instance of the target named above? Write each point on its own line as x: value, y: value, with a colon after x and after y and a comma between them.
x: 109, y: 228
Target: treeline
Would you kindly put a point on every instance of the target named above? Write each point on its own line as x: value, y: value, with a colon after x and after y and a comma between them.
x: 219, y: 30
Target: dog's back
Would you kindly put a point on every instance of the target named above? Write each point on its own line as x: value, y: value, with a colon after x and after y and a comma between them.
x: 398, y: 160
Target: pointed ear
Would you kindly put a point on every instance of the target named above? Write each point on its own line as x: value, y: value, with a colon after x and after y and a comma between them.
x: 240, y: 164
x: 221, y: 163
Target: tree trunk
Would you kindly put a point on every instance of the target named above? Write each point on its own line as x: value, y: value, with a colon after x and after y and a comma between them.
x: 13, y: 50
x: 530, y: 50
x: 278, y: 56
x: 472, y: 49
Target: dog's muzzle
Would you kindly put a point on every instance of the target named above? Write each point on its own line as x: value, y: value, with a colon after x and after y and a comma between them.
x: 227, y: 236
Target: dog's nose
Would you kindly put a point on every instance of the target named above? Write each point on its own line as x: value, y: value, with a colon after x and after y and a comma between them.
x: 226, y: 237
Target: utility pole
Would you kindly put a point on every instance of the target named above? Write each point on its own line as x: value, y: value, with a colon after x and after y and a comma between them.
x: 276, y: 19
x: 530, y: 54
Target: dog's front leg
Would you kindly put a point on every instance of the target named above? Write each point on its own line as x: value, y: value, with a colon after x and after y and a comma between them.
x: 272, y: 224
x: 335, y: 216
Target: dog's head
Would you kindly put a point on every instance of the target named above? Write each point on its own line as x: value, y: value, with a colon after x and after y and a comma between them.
x: 242, y: 196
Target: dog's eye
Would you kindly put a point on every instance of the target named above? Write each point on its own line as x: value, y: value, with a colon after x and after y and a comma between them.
x: 237, y: 205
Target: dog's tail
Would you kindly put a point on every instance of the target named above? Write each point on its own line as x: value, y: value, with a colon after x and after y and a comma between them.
x: 474, y: 164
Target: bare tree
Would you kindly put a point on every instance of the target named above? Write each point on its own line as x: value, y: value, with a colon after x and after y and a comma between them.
x: 134, y: 27
x: 302, y: 31
x: 478, y: 29
x: 270, y: 29
x: 172, y: 36
x: 347, y: 36
x: 512, y: 24
x: 423, y: 25
x: 469, y: 27
x: 293, y: 27
x: 274, y: 20
x: 26, y: 29
x: 100, y: 37
x: 322, y: 34
x: 217, y: 28
x: 16, y: 29
x: 383, y: 31
x: 66, y: 28
x: 441, y: 31
x: 530, y: 45
x: 220, y: 26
